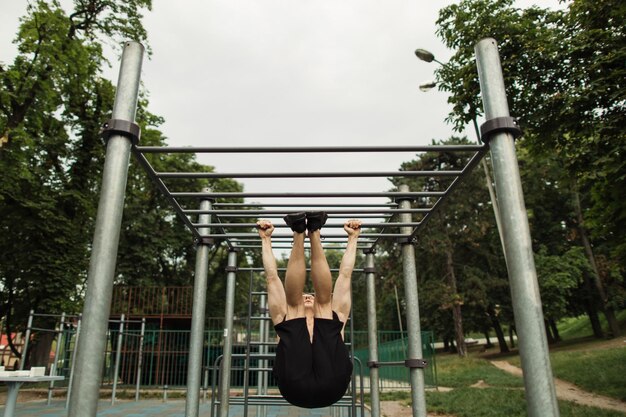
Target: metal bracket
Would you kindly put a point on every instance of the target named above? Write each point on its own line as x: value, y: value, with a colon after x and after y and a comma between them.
x: 499, y: 124
x: 121, y: 127
x: 410, y: 240
x: 373, y: 364
x: 415, y: 363
x: 205, y: 241
x: 369, y: 270
x: 232, y: 269
x: 369, y: 250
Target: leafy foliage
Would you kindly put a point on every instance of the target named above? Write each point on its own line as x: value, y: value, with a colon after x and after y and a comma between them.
x: 53, y: 100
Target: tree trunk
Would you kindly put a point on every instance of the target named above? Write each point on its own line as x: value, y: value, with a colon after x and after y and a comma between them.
x: 555, y: 330
x: 39, y: 355
x: 488, y: 343
x: 614, y: 328
x: 511, y: 332
x: 495, y: 322
x: 549, y: 334
x: 594, y: 320
x: 456, y: 307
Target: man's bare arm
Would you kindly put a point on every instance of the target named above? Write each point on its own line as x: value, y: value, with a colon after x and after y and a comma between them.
x: 276, y: 299
x: 342, y: 296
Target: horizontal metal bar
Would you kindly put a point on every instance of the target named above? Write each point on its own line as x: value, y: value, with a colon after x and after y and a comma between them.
x: 44, y: 330
x: 309, y: 149
x: 389, y: 194
x: 334, y: 205
x: 281, y: 247
x: 255, y: 239
x: 383, y: 174
x: 467, y: 169
x: 261, y: 269
x: 286, y: 236
x: 280, y: 216
x: 329, y: 212
x: 326, y: 226
x: 163, y: 188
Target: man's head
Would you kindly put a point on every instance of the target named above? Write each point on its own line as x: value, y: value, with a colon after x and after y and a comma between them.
x: 309, y: 300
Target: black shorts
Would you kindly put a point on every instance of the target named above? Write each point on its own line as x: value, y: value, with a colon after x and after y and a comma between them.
x: 312, y: 375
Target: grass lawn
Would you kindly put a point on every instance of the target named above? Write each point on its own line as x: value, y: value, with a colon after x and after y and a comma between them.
x: 456, y: 372
x: 592, y: 368
x: 496, y: 402
x: 595, y: 365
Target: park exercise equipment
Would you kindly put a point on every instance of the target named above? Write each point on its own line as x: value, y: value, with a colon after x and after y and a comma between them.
x: 213, y: 228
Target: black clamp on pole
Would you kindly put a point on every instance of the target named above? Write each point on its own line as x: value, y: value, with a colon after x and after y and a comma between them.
x: 373, y: 364
x: 497, y: 125
x: 411, y: 240
x: 415, y: 363
x: 232, y: 269
x: 121, y: 127
x: 369, y: 270
x: 205, y: 241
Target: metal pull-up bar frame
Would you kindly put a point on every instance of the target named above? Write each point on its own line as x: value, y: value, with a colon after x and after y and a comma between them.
x: 229, y: 223
x: 216, y: 212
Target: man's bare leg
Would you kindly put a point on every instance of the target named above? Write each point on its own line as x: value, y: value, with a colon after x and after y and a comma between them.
x: 321, y: 277
x: 295, y: 278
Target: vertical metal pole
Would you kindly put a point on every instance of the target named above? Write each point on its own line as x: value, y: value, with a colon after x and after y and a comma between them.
x: 13, y: 389
x: 91, y: 347
x: 140, y: 358
x: 70, y: 382
x: 418, y: 394
x: 29, y: 325
x: 529, y: 320
x: 57, y: 351
x: 196, y: 341
x: 372, y: 331
x: 261, y: 410
x: 228, y: 333
x: 118, y: 357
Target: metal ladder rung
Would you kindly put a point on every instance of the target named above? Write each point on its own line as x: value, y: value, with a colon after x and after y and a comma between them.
x: 263, y: 343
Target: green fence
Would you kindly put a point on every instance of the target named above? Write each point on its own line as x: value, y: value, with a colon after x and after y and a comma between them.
x: 165, y: 357
x: 392, y: 347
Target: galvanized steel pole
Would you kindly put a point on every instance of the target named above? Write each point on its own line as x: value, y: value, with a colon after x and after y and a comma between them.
x: 91, y: 345
x: 529, y: 320
x: 228, y: 333
x: 372, y: 332
x: 196, y: 342
x: 57, y: 352
x: 68, y: 396
x: 140, y: 358
x: 118, y: 358
x: 29, y: 326
x: 418, y: 393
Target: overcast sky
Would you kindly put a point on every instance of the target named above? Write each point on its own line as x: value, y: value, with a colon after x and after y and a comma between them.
x: 290, y: 73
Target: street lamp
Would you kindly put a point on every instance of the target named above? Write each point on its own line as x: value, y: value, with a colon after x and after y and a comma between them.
x: 428, y: 56
x: 427, y: 86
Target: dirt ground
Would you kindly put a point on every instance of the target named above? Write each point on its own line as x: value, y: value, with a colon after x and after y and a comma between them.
x: 570, y: 392
x: 396, y: 409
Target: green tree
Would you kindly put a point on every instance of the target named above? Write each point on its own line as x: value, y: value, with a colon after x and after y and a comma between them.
x: 53, y: 101
x: 450, y: 243
x: 564, y: 74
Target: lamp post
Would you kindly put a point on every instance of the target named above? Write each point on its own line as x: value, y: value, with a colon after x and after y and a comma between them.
x: 428, y: 56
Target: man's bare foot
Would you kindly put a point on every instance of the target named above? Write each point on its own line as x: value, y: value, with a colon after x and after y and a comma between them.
x: 266, y: 228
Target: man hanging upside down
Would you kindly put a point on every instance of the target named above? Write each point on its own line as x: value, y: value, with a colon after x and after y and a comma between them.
x: 312, y: 365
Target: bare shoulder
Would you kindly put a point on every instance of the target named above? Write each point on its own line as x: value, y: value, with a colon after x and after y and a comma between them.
x: 342, y: 316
